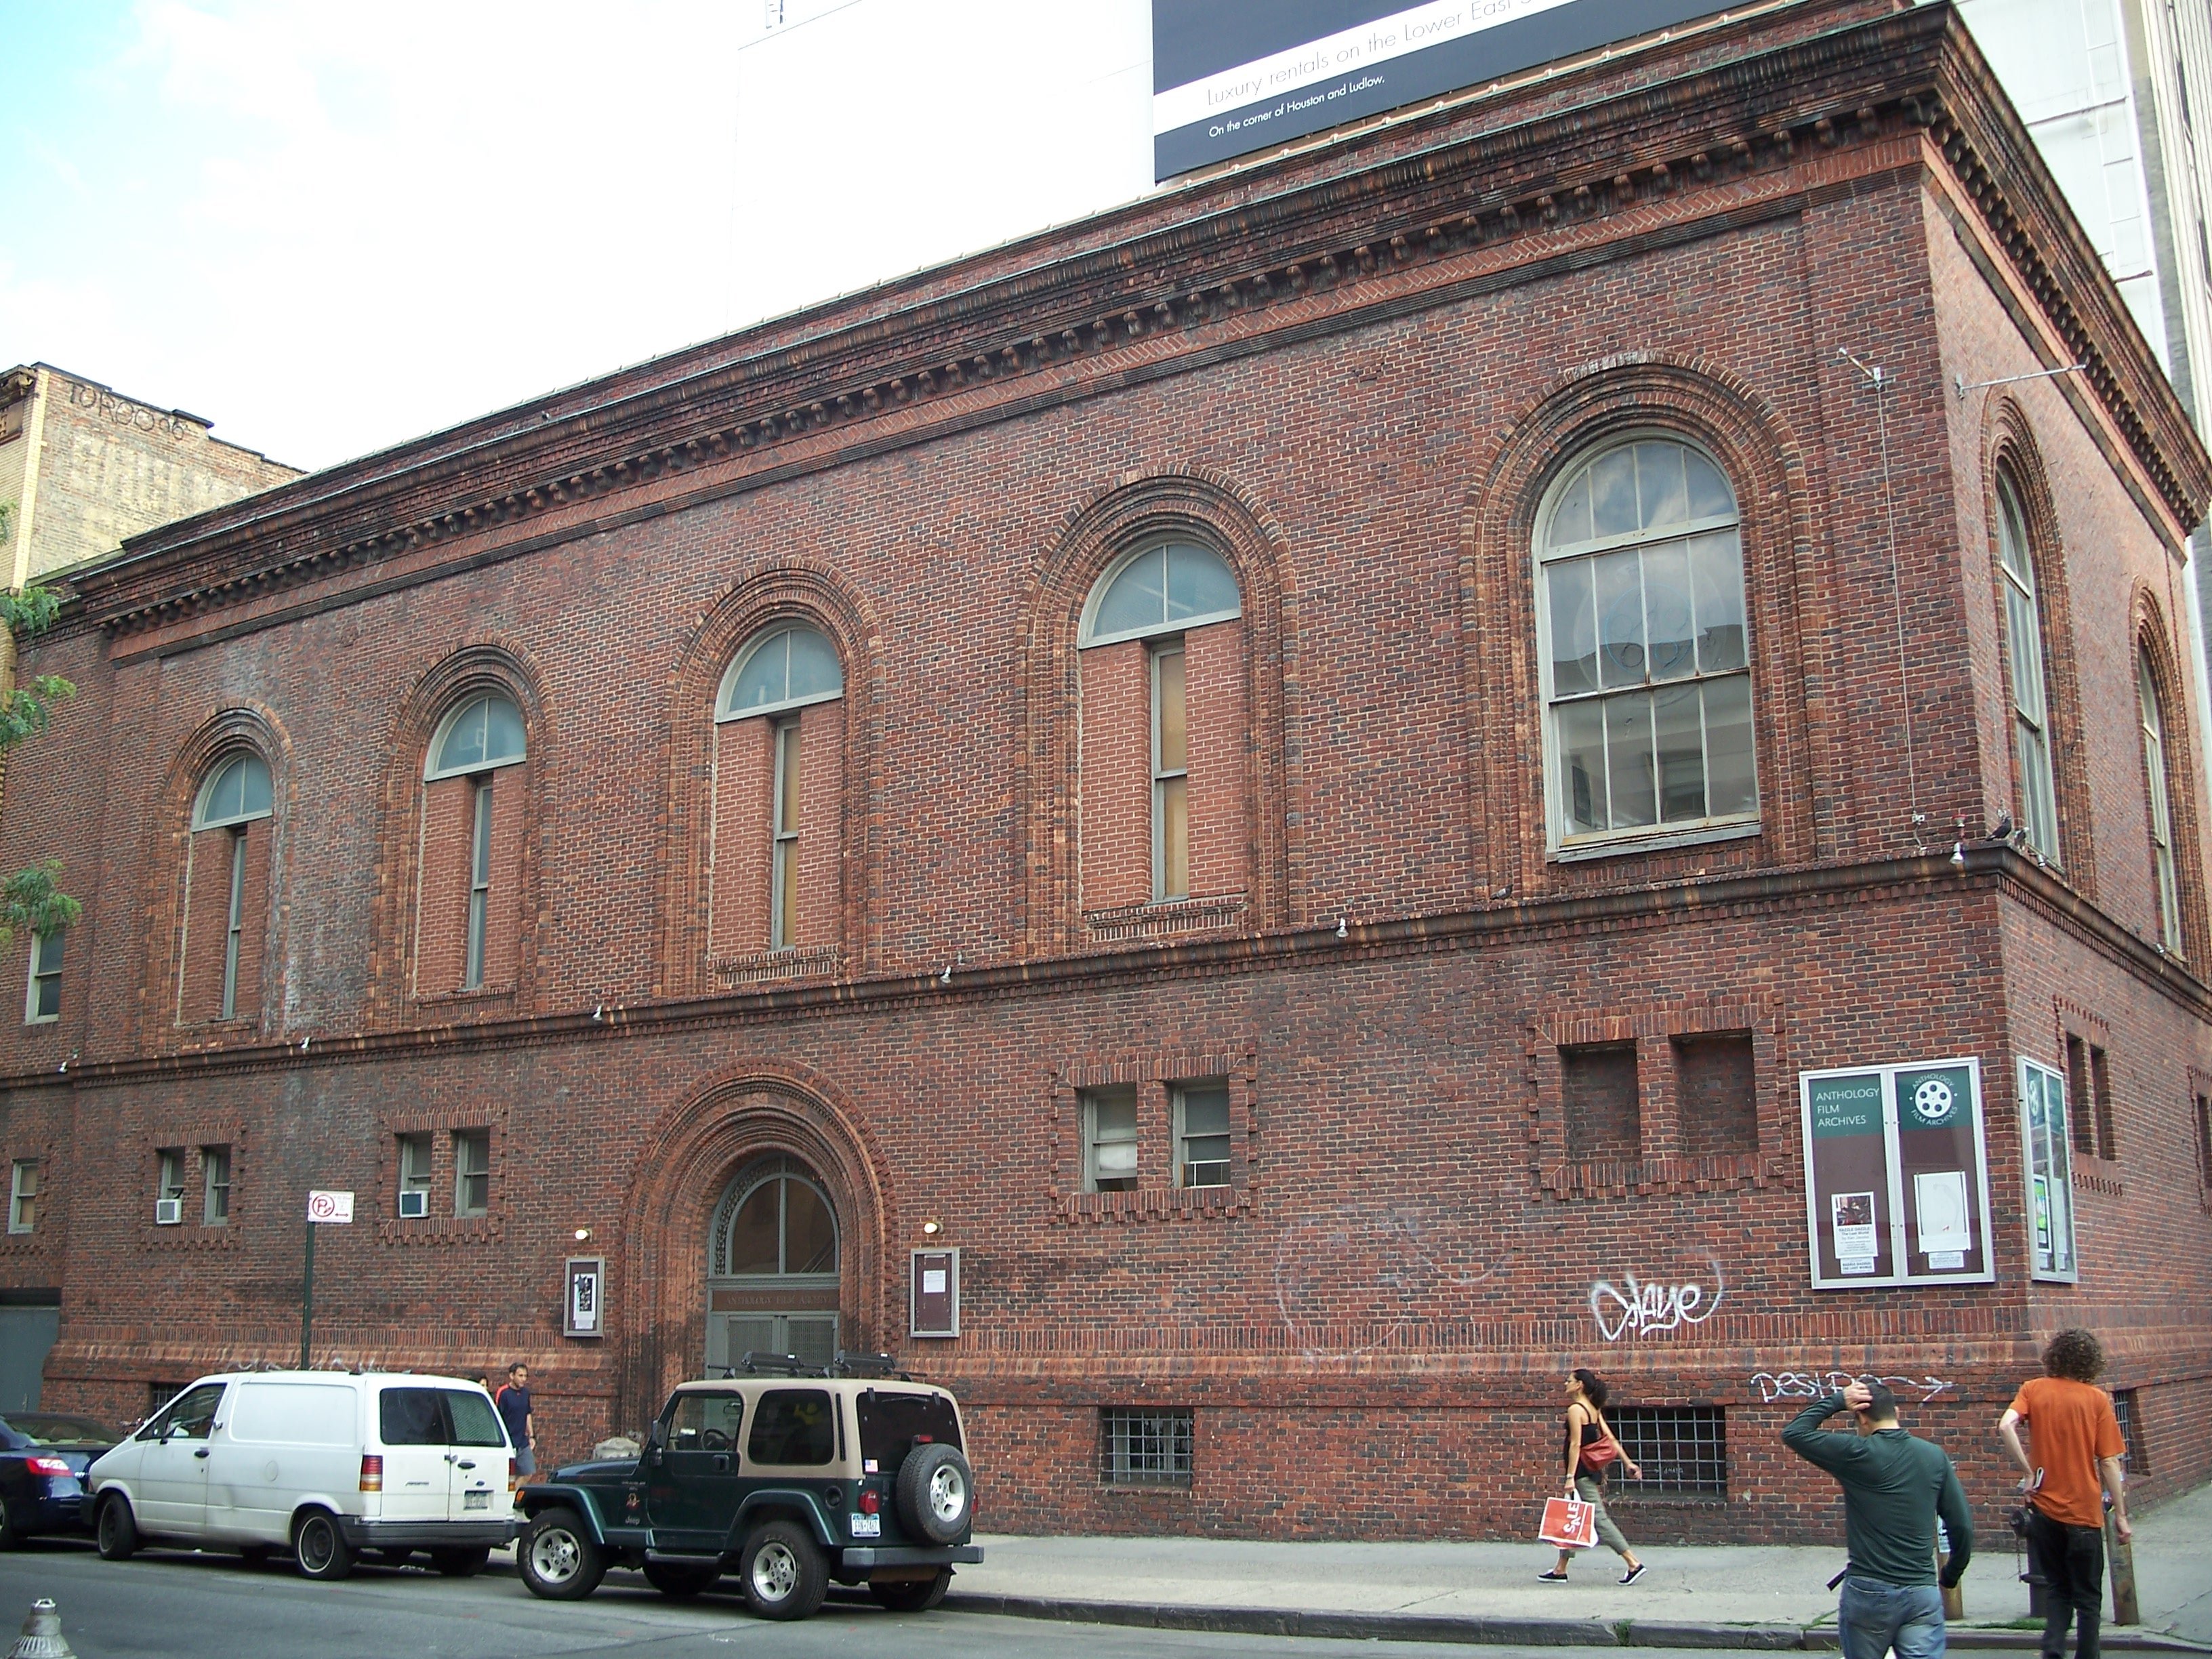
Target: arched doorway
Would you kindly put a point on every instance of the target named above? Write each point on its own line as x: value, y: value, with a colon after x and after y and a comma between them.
x: 772, y: 1266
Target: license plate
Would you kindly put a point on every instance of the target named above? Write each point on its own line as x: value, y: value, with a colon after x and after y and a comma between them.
x: 867, y: 1526
x: 476, y: 1500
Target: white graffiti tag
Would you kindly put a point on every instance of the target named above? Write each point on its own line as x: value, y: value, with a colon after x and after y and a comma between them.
x: 1810, y: 1385
x: 1635, y: 1309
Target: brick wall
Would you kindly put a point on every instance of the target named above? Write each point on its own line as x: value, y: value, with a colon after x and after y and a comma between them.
x: 1413, y: 1244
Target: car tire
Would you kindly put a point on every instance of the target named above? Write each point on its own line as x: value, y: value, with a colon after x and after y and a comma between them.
x: 10, y: 1534
x: 785, y: 1576
x: 936, y: 1493
x: 677, y: 1582
x: 461, y: 1561
x: 558, y: 1558
x: 319, y: 1548
x: 913, y: 1594
x: 116, y: 1530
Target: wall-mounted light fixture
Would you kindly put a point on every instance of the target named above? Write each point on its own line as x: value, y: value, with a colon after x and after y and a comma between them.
x: 582, y: 1235
x: 931, y: 1228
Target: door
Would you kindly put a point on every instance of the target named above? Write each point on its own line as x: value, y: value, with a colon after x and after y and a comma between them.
x: 692, y: 1492
x: 813, y: 1336
x: 475, y: 1456
x: 418, y: 1474
x: 26, y: 1334
x: 172, y: 1477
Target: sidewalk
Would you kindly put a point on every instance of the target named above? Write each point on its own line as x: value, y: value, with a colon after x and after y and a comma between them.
x: 1699, y: 1595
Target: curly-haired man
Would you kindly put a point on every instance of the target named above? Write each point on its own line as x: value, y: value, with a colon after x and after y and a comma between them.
x: 2077, y: 1453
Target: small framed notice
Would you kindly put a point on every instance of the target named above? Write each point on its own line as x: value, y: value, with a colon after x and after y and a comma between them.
x: 936, y: 1288
x: 584, y: 1313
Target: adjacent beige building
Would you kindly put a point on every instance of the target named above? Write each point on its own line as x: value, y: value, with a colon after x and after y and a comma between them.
x: 82, y: 467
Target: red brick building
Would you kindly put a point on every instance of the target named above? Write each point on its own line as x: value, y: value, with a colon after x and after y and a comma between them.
x: 1300, y: 770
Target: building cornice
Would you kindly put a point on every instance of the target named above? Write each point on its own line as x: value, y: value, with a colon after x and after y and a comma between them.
x: 1986, y: 870
x: 1318, y: 230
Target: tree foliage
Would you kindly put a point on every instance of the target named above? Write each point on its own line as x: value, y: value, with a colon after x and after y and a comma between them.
x: 32, y: 898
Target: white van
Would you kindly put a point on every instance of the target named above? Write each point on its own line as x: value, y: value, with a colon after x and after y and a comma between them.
x: 323, y: 1464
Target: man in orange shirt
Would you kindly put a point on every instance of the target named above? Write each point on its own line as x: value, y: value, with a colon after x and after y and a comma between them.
x: 2077, y: 1460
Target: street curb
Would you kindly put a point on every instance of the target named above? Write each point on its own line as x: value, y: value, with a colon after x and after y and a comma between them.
x: 1482, y: 1629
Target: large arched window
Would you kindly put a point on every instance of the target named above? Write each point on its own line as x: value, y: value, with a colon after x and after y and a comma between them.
x: 2038, y: 798
x: 227, y: 892
x: 1163, y: 691
x: 772, y: 1263
x: 2164, y: 868
x: 1645, y: 651
x: 472, y: 847
x: 778, y: 794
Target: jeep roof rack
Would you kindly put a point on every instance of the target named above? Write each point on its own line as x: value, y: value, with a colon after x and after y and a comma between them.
x: 776, y: 1364
x: 868, y: 1364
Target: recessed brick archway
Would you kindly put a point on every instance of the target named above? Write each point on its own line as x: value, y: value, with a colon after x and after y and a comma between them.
x: 680, y: 1174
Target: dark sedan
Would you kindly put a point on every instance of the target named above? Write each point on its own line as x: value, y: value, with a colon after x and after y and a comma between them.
x: 43, y: 1458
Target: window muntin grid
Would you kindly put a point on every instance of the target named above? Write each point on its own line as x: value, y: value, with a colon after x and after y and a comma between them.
x: 473, y: 968
x: 1645, y: 654
x: 414, y: 1168
x: 783, y: 842
x: 1171, y: 773
x: 237, y: 792
x: 2161, y: 805
x: 214, y: 1186
x: 1143, y: 1446
x: 471, y: 1172
x: 1202, y: 1120
x: 233, y: 930
x: 478, y: 736
x: 788, y: 667
x: 1682, y: 1450
x: 2038, y: 799
x: 1162, y: 588
x: 782, y: 1223
x: 42, y: 1003
x: 23, y: 1196
x: 1109, y: 1140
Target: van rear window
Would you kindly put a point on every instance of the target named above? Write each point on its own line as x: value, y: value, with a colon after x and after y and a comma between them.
x: 410, y: 1417
x: 891, y: 1422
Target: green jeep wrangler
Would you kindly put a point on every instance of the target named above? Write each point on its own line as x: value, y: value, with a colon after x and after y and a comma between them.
x: 790, y: 1479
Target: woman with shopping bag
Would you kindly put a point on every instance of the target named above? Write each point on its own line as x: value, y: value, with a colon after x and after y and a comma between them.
x: 1590, y: 1449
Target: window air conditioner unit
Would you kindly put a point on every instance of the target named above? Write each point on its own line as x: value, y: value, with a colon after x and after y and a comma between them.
x: 169, y: 1211
x: 414, y: 1204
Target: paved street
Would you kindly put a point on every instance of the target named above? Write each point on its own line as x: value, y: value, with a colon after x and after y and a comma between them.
x: 186, y: 1607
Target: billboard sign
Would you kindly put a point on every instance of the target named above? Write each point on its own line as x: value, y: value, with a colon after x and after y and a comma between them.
x: 1897, y: 1187
x: 1233, y: 76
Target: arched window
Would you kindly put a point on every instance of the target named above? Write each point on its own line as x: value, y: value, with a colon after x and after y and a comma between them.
x: 772, y: 1261
x: 2161, y: 804
x: 472, y: 847
x: 1142, y: 623
x: 2031, y: 702
x: 775, y: 877
x: 227, y: 892
x: 1645, y: 652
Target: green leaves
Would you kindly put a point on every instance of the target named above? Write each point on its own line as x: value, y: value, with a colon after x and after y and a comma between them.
x: 29, y: 709
x: 29, y: 899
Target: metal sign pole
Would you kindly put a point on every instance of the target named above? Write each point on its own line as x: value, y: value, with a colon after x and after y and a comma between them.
x: 308, y: 1298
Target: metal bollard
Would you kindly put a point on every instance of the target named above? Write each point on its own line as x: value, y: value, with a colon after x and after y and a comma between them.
x: 42, y: 1636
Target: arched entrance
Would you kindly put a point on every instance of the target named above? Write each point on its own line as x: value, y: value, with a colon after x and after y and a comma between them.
x: 772, y: 1266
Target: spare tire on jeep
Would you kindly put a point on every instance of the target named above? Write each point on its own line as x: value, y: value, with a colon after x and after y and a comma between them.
x: 936, y: 1494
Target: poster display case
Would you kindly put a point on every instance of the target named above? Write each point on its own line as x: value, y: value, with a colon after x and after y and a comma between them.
x: 2049, y: 1165
x: 1897, y: 1187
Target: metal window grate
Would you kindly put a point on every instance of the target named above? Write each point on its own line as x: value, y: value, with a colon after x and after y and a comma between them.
x: 2136, y: 1458
x: 1144, y: 1448
x: 1682, y: 1450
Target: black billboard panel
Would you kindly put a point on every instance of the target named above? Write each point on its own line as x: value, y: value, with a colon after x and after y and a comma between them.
x: 1232, y: 77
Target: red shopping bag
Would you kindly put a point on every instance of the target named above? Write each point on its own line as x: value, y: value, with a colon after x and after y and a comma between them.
x: 1568, y: 1523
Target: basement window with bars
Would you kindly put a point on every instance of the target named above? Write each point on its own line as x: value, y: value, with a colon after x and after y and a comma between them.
x: 1683, y: 1451
x: 2136, y: 1459
x: 1145, y: 1446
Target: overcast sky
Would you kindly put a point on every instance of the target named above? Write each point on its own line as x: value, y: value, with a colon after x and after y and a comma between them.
x: 331, y: 227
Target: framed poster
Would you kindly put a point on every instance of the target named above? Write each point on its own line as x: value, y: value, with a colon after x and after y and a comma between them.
x: 2049, y: 1165
x: 936, y: 1290
x: 584, y: 1313
x: 1897, y: 1180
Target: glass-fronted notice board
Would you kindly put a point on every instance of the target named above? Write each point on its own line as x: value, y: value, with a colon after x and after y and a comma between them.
x: 1897, y: 1179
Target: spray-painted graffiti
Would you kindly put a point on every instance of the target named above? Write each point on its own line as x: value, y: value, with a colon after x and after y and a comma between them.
x: 1810, y: 1385
x: 1352, y: 1280
x: 1632, y: 1308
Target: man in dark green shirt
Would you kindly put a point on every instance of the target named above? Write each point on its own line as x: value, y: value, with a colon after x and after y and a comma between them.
x: 1894, y: 1486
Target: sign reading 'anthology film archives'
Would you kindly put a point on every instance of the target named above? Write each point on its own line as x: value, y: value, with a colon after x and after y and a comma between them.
x: 1897, y: 1180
